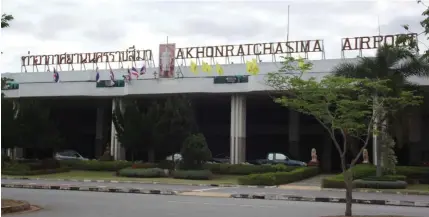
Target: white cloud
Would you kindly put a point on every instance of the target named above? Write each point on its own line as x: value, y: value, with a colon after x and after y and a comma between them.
x: 57, y: 26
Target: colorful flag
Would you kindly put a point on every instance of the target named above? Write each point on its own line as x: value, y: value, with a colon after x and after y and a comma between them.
x: 56, y: 76
x: 252, y: 67
x: 143, y: 70
x: 206, y: 68
x: 194, y: 68
x: 97, y: 76
x: 219, y: 69
x: 134, y: 72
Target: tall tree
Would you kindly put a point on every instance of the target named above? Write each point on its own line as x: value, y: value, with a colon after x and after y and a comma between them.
x: 343, y: 106
x: 395, y: 64
x: 5, y: 19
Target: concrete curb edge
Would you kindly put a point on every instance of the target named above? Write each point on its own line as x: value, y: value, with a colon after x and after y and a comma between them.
x: 136, y: 182
x: 331, y: 200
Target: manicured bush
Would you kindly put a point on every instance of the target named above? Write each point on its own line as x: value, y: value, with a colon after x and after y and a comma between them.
x: 34, y: 172
x: 385, y: 178
x: 96, y: 165
x: 359, y: 171
x: 412, y: 172
x: 359, y: 183
x: 278, y: 178
x: 246, y: 169
x: 141, y: 165
x: 193, y: 174
x: 43, y: 164
x: 142, y: 173
x: 166, y: 164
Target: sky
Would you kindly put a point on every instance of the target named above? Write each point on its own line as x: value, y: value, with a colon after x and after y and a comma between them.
x: 58, y: 26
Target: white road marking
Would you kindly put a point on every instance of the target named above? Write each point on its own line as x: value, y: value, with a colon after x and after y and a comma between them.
x: 222, y: 204
x: 206, y: 189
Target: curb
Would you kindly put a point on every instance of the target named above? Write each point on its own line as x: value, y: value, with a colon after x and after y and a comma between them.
x: 18, y: 208
x: 137, y: 182
x: 91, y: 188
x: 379, y: 191
x: 331, y: 200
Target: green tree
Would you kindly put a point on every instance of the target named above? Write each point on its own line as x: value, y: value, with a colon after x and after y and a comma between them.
x: 395, y: 64
x: 5, y: 19
x: 343, y: 106
x: 195, y: 152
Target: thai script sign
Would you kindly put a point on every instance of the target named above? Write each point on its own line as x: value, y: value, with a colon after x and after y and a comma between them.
x: 82, y: 58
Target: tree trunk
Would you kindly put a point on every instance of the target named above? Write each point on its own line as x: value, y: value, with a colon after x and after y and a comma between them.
x: 348, y: 180
x: 151, y: 155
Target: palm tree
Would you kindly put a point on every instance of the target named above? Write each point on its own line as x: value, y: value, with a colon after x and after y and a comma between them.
x: 393, y: 63
x: 5, y: 19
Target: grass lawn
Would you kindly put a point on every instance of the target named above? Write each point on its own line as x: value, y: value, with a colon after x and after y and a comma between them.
x: 100, y: 175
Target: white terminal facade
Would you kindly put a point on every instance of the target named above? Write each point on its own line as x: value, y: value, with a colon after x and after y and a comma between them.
x: 81, y: 83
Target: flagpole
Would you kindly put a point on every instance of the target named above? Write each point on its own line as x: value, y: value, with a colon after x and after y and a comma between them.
x: 287, y: 33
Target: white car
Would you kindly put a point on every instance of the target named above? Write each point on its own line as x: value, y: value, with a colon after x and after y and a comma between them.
x: 69, y: 155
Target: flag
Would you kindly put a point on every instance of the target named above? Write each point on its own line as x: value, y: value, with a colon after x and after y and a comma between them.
x: 219, y: 69
x: 112, y: 77
x: 134, y: 72
x: 252, y: 67
x: 97, y: 76
x: 143, y: 70
x: 206, y: 68
x: 194, y: 68
x: 127, y: 77
x: 56, y: 76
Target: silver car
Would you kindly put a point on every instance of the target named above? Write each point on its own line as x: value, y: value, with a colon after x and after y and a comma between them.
x: 69, y: 155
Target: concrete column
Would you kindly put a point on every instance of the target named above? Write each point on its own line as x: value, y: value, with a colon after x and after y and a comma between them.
x: 116, y: 149
x: 294, y: 134
x: 238, y: 129
x: 99, y: 132
x: 18, y: 152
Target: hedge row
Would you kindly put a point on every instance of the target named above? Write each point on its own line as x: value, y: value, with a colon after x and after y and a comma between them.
x: 246, y: 169
x: 278, y: 178
x: 377, y: 184
x: 142, y: 173
x: 34, y: 172
x: 367, y: 172
x: 231, y: 169
x: 193, y: 174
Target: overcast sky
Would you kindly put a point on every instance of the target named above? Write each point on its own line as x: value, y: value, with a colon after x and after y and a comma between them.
x: 58, y: 26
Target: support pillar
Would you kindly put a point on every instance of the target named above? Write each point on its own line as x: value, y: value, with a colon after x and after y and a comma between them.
x: 294, y: 134
x: 18, y: 152
x: 116, y: 149
x: 238, y: 129
x: 99, y: 133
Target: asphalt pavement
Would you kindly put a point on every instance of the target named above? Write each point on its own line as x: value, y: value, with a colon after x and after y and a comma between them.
x: 94, y: 204
x: 230, y: 190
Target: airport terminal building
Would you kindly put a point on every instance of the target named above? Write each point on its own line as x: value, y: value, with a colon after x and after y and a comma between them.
x: 232, y: 105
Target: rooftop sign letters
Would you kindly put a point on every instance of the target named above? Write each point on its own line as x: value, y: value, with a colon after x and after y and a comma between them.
x: 82, y: 58
x: 250, y: 49
x: 370, y: 42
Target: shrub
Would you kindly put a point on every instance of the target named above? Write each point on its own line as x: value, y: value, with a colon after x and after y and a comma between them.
x: 15, y: 166
x: 144, y: 165
x: 359, y: 171
x: 412, y: 172
x: 246, y: 169
x: 278, y: 178
x: 95, y: 165
x: 166, y: 164
x: 193, y: 174
x: 385, y: 178
x: 142, y: 173
x: 195, y: 151
x: 34, y: 172
x: 43, y: 164
x: 359, y: 183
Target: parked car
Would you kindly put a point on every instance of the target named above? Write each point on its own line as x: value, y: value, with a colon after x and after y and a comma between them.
x: 176, y: 156
x: 279, y: 158
x: 69, y: 155
x: 221, y: 158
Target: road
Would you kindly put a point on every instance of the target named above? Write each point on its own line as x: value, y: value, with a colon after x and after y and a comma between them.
x: 95, y: 204
x: 231, y: 190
